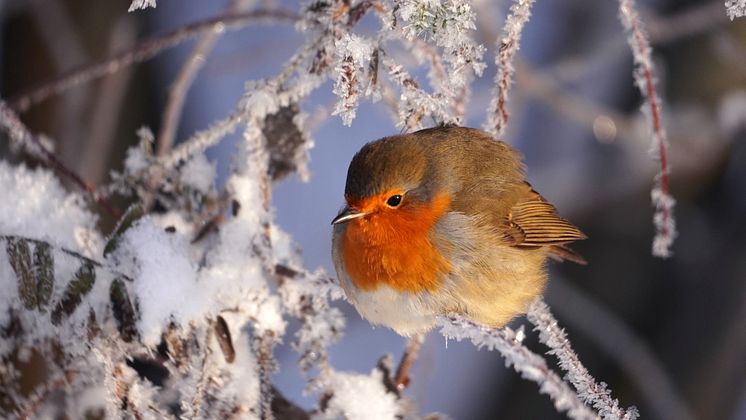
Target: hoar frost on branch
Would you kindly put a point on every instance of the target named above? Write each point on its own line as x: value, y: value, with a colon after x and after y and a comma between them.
x: 735, y: 8
x: 663, y: 219
x: 141, y: 4
x: 507, y: 47
x: 589, y: 391
x: 530, y: 365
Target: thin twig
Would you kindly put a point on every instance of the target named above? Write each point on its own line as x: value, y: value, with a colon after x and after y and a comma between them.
x: 411, y: 351
x: 530, y: 365
x: 19, y: 133
x: 644, y: 76
x: 507, y: 47
x: 613, y: 337
x: 265, y: 344
x: 178, y: 91
x: 588, y: 389
x: 201, y: 140
x: 142, y: 51
x: 201, y: 388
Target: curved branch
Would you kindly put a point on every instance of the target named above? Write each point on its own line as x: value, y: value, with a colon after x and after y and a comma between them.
x: 143, y: 51
x: 613, y: 337
x: 34, y: 146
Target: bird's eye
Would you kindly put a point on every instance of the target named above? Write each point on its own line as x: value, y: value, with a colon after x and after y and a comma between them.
x: 394, y: 200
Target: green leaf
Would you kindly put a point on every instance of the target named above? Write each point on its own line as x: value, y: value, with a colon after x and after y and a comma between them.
x: 133, y: 214
x: 79, y: 286
x: 124, y: 311
x: 19, y: 255
x: 44, y: 269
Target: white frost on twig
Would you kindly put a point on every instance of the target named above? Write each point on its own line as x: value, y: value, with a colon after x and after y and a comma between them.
x: 530, y: 365
x: 414, y: 103
x: 448, y: 23
x: 351, y: 57
x: 507, y: 47
x: 665, y: 226
x: 735, y: 8
x: 308, y: 297
x: 589, y: 391
x: 201, y: 140
x: 141, y: 4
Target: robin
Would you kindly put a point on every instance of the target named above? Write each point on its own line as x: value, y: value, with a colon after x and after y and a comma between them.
x: 442, y: 221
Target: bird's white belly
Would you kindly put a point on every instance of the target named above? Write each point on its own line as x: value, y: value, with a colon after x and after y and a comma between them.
x: 404, y: 312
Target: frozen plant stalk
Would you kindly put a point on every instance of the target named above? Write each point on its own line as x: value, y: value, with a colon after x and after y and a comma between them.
x: 665, y: 225
x: 530, y: 365
x: 507, y: 47
x: 589, y: 391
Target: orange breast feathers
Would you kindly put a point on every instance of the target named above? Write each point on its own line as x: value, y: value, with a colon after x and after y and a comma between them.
x: 392, y: 246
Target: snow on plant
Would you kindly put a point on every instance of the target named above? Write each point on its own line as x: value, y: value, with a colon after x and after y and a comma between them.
x: 351, y: 57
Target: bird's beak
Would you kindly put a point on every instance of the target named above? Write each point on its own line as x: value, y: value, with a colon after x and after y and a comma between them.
x: 347, y: 214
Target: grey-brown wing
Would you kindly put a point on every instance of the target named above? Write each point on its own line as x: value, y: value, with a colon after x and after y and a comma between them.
x: 525, y: 219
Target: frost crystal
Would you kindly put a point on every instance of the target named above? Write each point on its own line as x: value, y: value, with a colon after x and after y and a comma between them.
x: 352, y: 55
x: 141, y: 4
x: 448, y: 23
x: 663, y: 220
x: 589, y: 391
x: 735, y: 8
x: 507, y: 47
x: 530, y: 365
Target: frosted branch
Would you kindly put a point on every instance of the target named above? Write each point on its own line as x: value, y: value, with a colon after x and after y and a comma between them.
x: 352, y: 57
x: 449, y: 24
x: 141, y: 4
x: 735, y: 8
x: 644, y: 77
x: 267, y: 365
x: 202, y: 140
x: 530, y: 365
x: 414, y: 103
x: 36, y: 147
x: 614, y: 337
x: 589, y: 391
x: 507, y: 47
